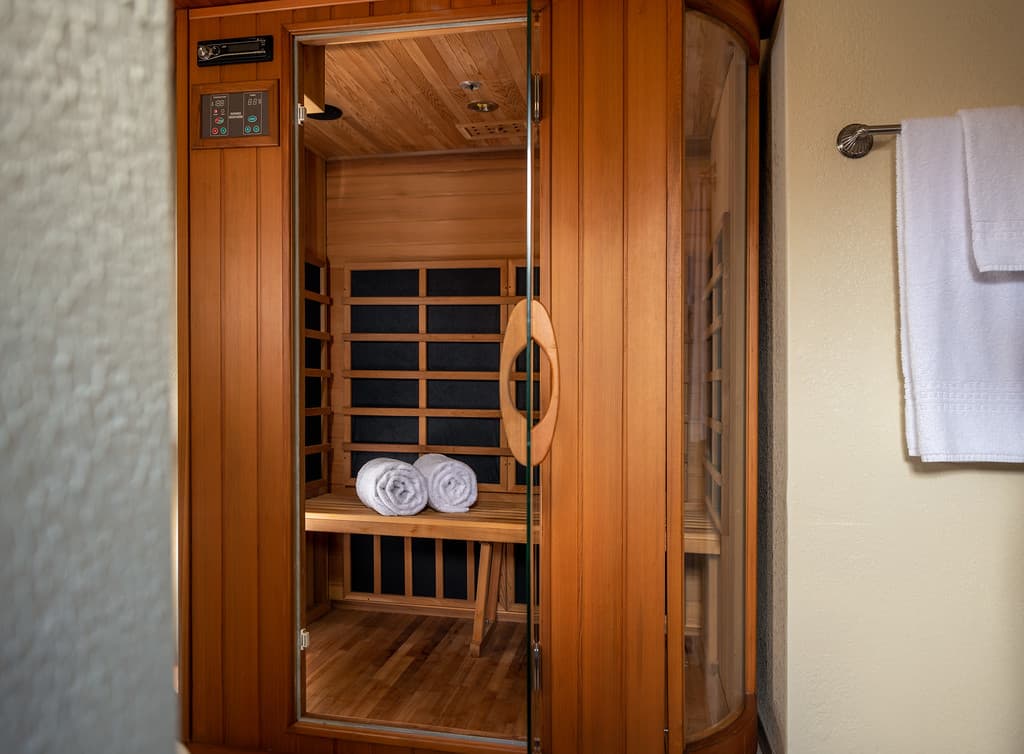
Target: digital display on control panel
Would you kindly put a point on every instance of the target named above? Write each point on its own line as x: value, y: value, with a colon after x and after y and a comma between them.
x: 234, y: 114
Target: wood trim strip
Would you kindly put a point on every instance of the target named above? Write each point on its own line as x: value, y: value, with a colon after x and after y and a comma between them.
x: 561, y: 618
x: 182, y: 288
x: 502, y: 15
x: 462, y: 450
x: 603, y: 548
x: 429, y: 300
x: 385, y: 742
x: 753, y: 254
x: 644, y: 386
x: 676, y: 379
x: 275, y: 385
x: 421, y: 337
x: 318, y: 297
x: 478, y: 413
x: 410, y: 374
x: 240, y: 243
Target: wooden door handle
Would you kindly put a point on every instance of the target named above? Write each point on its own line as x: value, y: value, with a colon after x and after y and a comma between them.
x: 511, y: 345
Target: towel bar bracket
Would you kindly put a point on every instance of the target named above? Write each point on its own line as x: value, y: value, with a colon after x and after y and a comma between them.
x: 856, y: 139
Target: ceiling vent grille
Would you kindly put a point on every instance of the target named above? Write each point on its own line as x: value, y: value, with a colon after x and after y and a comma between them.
x: 506, y: 130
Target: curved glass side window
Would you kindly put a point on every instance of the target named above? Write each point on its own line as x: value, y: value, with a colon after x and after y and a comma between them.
x: 715, y: 242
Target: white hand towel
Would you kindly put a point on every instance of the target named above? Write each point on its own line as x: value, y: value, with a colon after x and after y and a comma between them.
x: 994, y: 147
x: 451, y: 484
x: 962, y: 332
x: 392, y: 488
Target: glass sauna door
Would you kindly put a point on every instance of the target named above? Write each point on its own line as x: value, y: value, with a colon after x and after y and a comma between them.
x: 420, y: 333
x: 716, y: 487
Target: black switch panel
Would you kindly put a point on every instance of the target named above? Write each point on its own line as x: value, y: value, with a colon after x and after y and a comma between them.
x: 234, y: 114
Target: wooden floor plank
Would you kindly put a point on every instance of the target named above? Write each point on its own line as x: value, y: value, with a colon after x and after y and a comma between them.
x: 414, y: 671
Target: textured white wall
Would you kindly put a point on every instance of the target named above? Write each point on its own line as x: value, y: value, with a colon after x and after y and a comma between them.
x: 85, y: 359
x: 904, y: 595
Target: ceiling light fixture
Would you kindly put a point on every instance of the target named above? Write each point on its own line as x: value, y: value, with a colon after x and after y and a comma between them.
x: 482, y: 106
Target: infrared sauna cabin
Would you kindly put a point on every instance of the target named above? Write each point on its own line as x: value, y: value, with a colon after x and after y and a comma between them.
x: 519, y: 235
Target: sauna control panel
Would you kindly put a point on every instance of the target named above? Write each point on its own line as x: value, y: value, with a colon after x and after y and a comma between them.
x: 234, y: 114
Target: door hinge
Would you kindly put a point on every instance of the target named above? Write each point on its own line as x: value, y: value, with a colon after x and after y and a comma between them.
x: 666, y: 740
x: 303, y: 639
x: 300, y: 113
x: 537, y: 91
x: 536, y: 666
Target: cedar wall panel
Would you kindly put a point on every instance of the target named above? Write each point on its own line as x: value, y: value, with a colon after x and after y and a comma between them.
x: 432, y: 207
x: 604, y: 667
x: 610, y: 139
x: 237, y: 257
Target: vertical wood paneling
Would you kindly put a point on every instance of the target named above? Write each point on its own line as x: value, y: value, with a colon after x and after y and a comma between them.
x: 675, y: 393
x: 184, y: 533
x: 206, y: 586
x: 561, y: 540
x: 750, y: 514
x: 239, y: 239
x: 240, y: 532
x: 602, y: 160
x: 274, y: 429
x: 205, y: 376
x: 645, y: 377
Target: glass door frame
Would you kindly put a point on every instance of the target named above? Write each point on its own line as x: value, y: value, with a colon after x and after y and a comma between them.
x: 298, y: 34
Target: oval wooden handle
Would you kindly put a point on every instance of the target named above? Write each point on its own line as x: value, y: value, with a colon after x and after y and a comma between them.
x: 511, y: 345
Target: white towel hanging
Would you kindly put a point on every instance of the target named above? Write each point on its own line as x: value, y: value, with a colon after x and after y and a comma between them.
x: 962, y: 332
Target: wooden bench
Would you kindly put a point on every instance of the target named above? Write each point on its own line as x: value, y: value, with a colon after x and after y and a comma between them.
x: 702, y: 537
x: 489, y: 522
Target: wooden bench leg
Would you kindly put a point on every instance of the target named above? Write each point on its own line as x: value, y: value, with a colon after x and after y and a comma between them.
x: 485, y: 610
x: 711, y: 641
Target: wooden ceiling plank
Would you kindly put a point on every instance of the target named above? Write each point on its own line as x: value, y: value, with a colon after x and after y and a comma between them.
x: 352, y: 79
x: 436, y: 91
x: 416, y: 95
x: 512, y: 47
x: 401, y: 95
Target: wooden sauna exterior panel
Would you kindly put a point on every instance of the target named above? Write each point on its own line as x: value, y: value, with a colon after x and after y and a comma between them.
x: 602, y: 372
x: 646, y: 100
x: 602, y: 289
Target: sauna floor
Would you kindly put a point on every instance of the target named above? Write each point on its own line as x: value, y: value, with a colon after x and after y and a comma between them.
x: 705, y: 696
x: 415, y: 671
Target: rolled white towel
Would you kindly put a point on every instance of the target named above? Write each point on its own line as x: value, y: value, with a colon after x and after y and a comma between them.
x: 451, y: 484
x: 392, y: 488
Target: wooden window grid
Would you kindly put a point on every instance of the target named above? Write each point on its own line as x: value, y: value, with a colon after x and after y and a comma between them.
x: 344, y: 447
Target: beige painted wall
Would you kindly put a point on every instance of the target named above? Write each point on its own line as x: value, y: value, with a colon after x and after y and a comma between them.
x: 904, y: 594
